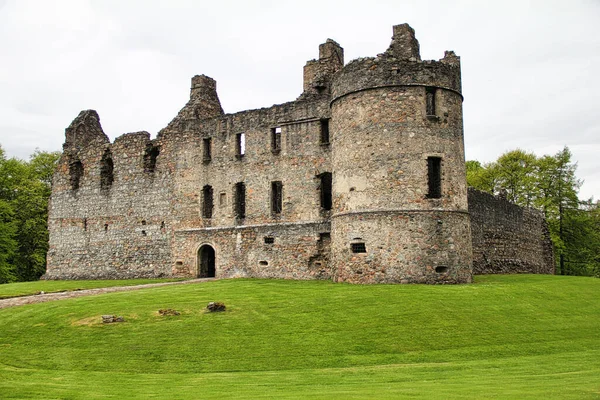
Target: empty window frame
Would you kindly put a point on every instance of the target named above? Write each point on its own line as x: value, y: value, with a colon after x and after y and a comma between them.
x: 325, y: 188
x: 276, y: 140
x: 325, y: 131
x: 240, y: 200
x: 358, y: 247
x: 106, y: 171
x: 276, y: 197
x: 207, y: 149
x: 430, y: 101
x: 150, y: 157
x: 75, y: 174
x: 207, y: 201
x: 240, y: 145
x: 434, y: 177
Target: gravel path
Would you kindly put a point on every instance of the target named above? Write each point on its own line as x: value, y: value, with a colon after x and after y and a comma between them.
x: 42, y: 298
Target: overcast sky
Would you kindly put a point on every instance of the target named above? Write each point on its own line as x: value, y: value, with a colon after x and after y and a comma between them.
x: 530, y: 69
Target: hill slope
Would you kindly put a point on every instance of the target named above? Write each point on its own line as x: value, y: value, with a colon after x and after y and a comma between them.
x: 504, y: 336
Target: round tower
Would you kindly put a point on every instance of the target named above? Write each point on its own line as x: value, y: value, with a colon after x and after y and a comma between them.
x: 399, y: 187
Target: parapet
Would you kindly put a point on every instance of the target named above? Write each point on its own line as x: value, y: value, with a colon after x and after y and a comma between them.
x: 399, y: 65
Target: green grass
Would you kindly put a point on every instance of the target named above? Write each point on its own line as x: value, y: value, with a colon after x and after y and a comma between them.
x: 512, y: 337
x: 29, y: 288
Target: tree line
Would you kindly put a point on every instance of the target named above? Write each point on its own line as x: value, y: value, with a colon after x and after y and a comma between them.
x: 549, y: 184
x: 25, y: 188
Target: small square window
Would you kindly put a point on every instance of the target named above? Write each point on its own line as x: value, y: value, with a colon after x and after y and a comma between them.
x: 358, y: 247
x: 269, y: 240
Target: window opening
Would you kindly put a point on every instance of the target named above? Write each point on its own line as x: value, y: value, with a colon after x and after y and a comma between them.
x: 359, y: 247
x: 276, y: 197
x: 326, y: 182
x: 430, y: 100
x: 434, y: 177
x: 240, y: 200
x: 207, y: 201
x: 276, y: 139
x: 75, y: 174
x: 207, y: 149
x: 325, y: 131
x: 106, y: 171
x: 240, y: 145
x: 150, y: 157
x: 85, y: 224
x: 441, y: 269
x: 105, y: 227
x: 222, y: 199
x: 263, y: 262
x: 269, y: 240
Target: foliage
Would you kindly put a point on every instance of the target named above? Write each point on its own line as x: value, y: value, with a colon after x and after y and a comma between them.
x: 312, y: 339
x: 548, y: 183
x: 25, y: 188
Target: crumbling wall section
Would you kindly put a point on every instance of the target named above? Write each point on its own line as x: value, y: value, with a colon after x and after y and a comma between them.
x: 117, y: 222
x: 508, y: 238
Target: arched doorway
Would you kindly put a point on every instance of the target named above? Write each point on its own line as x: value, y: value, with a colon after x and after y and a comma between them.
x: 206, y: 261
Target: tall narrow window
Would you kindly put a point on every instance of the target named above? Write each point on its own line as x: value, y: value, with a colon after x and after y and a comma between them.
x: 276, y: 140
x: 75, y: 174
x: 240, y: 145
x: 434, y: 177
x: 150, y: 157
x: 430, y: 101
x: 240, y: 200
x: 325, y: 186
x: 106, y: 171
x: 324, y: 131
x: 276, y: 197
x: 206, y: 149
x: 207, y: 201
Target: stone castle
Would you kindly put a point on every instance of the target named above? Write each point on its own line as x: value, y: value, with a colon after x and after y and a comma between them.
x: 361, y: 179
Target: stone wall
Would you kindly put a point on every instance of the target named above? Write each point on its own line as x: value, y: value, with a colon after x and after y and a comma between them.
x: 336, y: 183
x: 508, y: 238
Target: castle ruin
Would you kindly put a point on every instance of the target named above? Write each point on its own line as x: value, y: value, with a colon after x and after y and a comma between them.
x: 361, y: 179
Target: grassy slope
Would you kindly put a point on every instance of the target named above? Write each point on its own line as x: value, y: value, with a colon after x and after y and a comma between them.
x: 29, y: 288
x: 503, y: 337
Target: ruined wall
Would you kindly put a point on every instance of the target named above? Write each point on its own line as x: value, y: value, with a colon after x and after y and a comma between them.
x: 508, y: 238
x: 114, y: 223
x: 360, y: 179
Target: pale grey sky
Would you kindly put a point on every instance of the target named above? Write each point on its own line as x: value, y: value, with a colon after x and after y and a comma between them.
x: 529, y: 68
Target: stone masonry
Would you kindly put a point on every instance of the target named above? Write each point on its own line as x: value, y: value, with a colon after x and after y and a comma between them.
x: 360, y: 179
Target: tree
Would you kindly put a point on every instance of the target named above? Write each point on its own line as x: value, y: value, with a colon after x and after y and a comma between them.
x: 25, y: 188
x: 548, y: 183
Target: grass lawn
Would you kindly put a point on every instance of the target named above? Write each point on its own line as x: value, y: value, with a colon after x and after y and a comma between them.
x: 512, y: 337
x: 28, y: 288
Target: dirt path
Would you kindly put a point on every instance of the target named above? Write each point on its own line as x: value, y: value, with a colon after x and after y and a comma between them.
x: 42, y: 298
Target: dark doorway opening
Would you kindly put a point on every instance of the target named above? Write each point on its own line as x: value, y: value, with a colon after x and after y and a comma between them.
x: 206, y: 262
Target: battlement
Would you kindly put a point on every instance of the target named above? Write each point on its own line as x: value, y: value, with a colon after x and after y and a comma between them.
x: 399, y: 65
